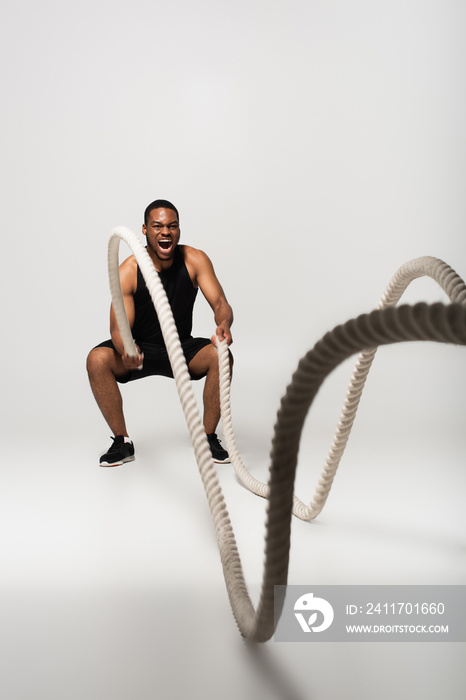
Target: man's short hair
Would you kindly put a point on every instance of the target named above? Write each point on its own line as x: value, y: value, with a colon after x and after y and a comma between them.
x: 160, y: 204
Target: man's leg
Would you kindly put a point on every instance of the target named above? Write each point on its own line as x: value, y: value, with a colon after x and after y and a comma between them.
x: 104, y: 365
x: 206, y: 360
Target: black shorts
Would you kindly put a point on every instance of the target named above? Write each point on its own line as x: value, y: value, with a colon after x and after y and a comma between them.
x: 156, y: 360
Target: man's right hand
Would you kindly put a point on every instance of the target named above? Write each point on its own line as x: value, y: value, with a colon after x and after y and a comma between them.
x: 131, y: 363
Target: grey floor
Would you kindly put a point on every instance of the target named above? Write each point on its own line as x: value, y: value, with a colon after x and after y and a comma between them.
x: 111, y: 580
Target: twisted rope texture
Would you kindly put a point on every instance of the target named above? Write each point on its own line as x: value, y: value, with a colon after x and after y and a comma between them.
x: 387, y: 325
x: 450, y: 283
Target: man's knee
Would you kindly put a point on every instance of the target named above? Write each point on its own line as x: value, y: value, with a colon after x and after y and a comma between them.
x: 214, y: 358
x: 98, y: 360
x: 206, y: 361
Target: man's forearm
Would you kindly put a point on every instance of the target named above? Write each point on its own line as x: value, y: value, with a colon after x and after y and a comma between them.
x: 223, y: 314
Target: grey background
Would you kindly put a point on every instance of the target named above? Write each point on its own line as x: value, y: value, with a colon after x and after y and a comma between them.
x: 312, y: 148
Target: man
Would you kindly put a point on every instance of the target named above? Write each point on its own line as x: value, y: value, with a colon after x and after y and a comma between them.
x: 183, y: 270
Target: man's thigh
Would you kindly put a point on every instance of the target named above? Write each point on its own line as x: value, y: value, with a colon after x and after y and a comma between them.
x: 203, y: 361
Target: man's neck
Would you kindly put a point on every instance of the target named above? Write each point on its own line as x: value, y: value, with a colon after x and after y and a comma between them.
x: 159, y: 264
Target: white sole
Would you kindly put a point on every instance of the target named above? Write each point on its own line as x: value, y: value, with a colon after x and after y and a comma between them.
x: 117, y: 464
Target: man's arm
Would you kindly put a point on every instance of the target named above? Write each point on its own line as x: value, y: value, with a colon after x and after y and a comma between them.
x: 128, y: 278
x: 213, y: 292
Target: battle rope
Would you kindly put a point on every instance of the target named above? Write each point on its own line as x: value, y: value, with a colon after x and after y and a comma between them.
x: 426, y: 266
x: 436, y: 322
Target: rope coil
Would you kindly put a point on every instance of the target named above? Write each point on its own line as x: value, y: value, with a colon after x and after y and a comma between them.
x: 388, y: 324
x: 451, y: 284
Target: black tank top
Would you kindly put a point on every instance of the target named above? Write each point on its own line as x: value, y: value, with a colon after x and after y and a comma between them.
x: 181, y: 295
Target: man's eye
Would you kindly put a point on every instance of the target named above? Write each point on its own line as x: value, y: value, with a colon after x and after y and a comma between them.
x: 173, y: 227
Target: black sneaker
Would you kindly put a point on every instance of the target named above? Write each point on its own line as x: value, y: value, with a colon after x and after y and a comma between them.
x: 219, y: 455
x: 119, y: 453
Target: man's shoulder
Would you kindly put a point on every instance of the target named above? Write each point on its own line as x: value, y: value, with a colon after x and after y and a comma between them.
x: 192, y: 255
x: 197, y: 263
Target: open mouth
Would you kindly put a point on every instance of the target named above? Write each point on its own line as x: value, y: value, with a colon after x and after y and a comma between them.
x: 165, y: 244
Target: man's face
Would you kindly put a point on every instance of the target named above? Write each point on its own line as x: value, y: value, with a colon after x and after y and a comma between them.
x: 162, y: 232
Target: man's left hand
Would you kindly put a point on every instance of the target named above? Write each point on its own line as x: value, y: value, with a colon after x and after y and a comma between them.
x: 222, y: 333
